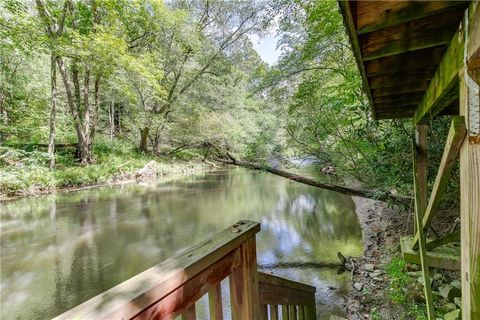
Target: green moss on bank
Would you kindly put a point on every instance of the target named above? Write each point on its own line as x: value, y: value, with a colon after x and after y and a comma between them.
x: 404, y: 289
x: 24, y: 170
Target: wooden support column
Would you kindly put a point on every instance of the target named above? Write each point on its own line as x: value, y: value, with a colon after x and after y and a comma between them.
x: 470, y: 166
x: 419, y: 177
x: 452, y: 148
x: 420, y: 171
x: 244, y: 284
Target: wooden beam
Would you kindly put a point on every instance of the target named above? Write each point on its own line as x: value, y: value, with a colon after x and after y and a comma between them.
x: 445, y: 257
x: 454, y: 141
x: 376, y: 15
x: 451, y: 237
x: 425, y: 60
x: 391, y: 115
x: 414, y: 35
x: 470, y: 170
x: 397, y: 106
x: 443, y: 88
x: 405, y: 89
x: 349, y: 22
x: 401, y: 79
x: 420, y: 182
x: 412, y: 97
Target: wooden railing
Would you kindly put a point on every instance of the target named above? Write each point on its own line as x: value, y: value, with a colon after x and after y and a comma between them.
x: 295, y: 300
x: 171, y: 288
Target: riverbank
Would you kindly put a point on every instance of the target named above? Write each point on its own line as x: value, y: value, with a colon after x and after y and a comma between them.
x: 24, y: 171
x: 383, y: 285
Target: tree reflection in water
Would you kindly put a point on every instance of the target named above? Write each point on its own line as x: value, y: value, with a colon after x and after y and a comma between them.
x: 77, y: 245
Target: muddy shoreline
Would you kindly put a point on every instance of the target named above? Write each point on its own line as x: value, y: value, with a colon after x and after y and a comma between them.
x: 382, y: 228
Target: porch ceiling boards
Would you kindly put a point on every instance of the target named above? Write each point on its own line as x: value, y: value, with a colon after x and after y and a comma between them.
x: 398, y: 46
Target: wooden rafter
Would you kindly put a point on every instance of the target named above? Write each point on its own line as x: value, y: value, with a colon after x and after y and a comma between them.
x: 425, y: 60
x: 376, y: 15
x: 414, y: 35
x: 406, y: 89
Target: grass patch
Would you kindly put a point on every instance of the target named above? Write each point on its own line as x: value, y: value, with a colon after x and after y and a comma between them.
x: 25, y: 171
x: 404, y: 289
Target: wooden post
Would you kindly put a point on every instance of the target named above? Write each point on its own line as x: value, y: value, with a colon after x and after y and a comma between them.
x: 420, y: 179
x: 264, y: 309
x: 292, y: 312
x: 273, y: 312
x: 470, y: 166
x: 454, y: 141
x: 215, y: 303
x: 421, y: 170
x: 189, y: 313
x: 285, y: 313
x: 244, y: 284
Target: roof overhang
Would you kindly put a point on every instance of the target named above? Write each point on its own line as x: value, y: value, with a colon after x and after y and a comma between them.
x: 398, y: 46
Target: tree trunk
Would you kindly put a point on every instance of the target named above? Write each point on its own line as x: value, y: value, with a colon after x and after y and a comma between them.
x: 144, y: 139
x: 80, y: 115
x: 375, y: 195
x: 83, y: 148
x: 73, y: 98
x: 117, y: 118
x: 111, y: 123
x: 3, y: 117
x: 53, y: 107
x: 3, y: 110
x: 96, y: 105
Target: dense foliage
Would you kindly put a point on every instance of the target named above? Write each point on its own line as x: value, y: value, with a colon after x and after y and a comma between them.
x: 161, y: 75
x: 181, y: 78
x: 329, y: 116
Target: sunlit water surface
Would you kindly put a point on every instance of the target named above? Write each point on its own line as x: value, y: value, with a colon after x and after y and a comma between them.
x: 59, y: 251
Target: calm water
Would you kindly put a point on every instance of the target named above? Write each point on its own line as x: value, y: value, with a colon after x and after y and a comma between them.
x: 58, y: 251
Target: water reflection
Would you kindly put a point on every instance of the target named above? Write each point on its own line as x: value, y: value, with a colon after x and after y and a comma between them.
x: 59, y: 251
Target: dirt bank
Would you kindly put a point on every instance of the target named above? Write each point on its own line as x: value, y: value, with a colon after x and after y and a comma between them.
x: 382, y: 228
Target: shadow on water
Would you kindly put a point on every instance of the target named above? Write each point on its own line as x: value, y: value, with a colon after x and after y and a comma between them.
x: 61, y: 250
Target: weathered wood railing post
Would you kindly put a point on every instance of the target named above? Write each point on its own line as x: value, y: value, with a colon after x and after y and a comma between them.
x: 470, y: 165
x: 244, y: 284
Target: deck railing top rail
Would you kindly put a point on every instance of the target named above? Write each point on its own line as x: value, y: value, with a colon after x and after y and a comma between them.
x: 177, y: 282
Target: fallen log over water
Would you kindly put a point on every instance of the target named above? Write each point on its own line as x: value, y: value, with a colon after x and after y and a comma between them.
x: 346, y: 263
x: 369, y: 194
x: 300, y: 264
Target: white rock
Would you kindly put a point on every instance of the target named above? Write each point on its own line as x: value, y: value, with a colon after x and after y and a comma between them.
x: 358, y: 286
x: 369, y: 267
